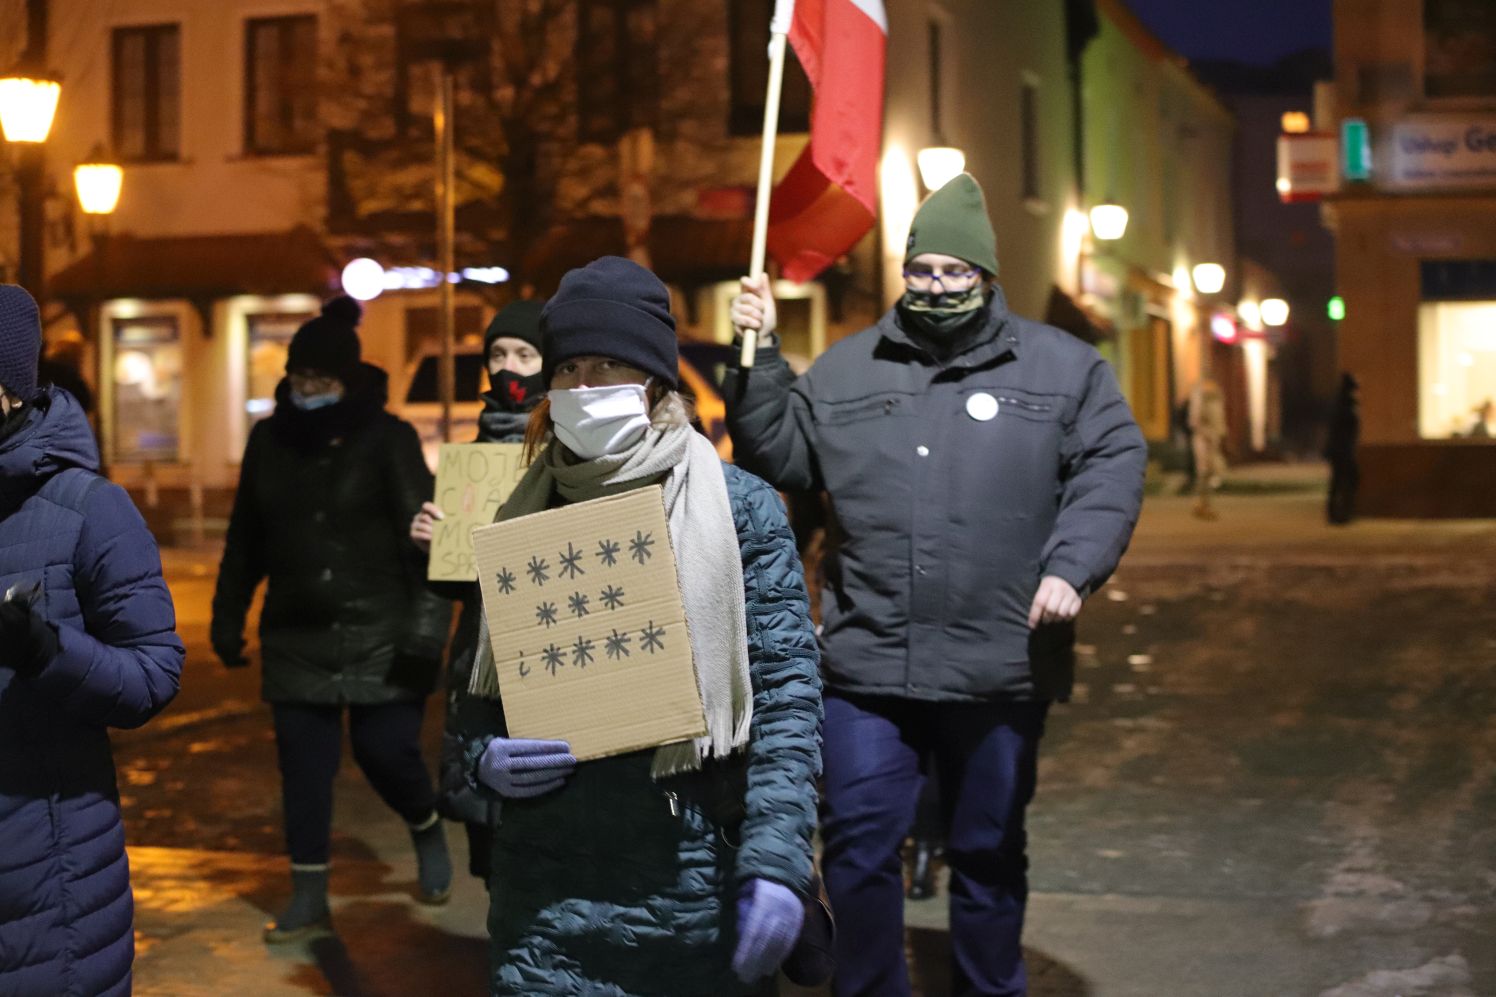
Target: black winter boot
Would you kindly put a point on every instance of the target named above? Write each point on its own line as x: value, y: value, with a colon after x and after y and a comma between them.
x: 434, y: 866
x: 307, y: 916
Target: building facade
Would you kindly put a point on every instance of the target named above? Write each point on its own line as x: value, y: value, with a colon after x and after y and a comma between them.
x: 1416, y: 249
x: 269, y: 143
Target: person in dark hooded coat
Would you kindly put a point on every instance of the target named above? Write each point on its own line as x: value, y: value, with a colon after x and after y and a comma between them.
x: 512, y: 348
x: 327, y: 489
x: 87, y: 642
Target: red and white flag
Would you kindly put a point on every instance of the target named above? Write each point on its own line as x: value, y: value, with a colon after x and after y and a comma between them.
x: 829, y: 198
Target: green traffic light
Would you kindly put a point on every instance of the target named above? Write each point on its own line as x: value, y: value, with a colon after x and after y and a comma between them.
x: 1335, y: 308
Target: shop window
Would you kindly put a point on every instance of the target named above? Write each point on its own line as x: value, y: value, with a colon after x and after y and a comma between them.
x: 280, y: 85
x: 269, y: 341
x: 147, y: 389
x: 617, y: 68
x: 147, y: 101
x: 1457, y: 369
x: 1459, y: 49
x: 748, y: 69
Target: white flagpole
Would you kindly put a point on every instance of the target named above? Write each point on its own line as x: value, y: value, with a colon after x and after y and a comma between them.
x: 779, y: 28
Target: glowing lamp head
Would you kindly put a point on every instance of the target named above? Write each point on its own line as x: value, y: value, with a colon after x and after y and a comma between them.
x: 1209, y: 277
x: 98, y: 183
x: 939, y: 165
x: 27, y: 106
x: 1108, y: 221
x: 1274, y: 312
x: 363, y: 279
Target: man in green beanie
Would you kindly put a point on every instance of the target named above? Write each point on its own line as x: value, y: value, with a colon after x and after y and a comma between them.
x: 984, y: 476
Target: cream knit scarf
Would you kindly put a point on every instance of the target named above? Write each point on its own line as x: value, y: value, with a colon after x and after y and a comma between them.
x: 707, y: 560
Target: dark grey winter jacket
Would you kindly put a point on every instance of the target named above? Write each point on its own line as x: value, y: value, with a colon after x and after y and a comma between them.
x: 943, y: 523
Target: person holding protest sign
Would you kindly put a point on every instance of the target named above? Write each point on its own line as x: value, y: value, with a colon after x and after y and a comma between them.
x: 687, y: 868
x: 327, y: 488
x: 512, y: 350
x: 984, y: 474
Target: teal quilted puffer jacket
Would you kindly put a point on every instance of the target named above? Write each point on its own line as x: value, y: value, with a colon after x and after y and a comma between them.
x: 619, y: 885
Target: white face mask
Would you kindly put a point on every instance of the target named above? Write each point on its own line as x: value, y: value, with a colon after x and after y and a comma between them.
x: 594, y: 422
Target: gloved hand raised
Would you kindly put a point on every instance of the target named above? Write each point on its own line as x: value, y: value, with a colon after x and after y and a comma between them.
x: 517, y: 768
x: 28, y: 643
x: 769, y: 919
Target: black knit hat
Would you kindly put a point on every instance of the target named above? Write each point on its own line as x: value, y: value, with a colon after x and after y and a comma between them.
x: 20, y: 341
x: 516, y: 320
x: 328, y: 344
x: 615, y: 308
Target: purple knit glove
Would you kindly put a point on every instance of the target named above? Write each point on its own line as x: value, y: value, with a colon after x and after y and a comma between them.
x: 769, y: 920
x: 517, y: 768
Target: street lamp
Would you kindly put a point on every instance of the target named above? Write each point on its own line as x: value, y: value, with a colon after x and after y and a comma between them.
x: 1209, y: 277
x: 98, y: 182
x: 1274, y: 312
x: 27, y: 107
x: 1108, y: 221
x: 939, y: 165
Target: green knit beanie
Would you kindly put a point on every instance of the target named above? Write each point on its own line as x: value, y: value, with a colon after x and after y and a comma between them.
x: 953, y: 221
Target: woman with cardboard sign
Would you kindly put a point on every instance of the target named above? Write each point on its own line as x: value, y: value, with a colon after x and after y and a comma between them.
x: 685, y: 868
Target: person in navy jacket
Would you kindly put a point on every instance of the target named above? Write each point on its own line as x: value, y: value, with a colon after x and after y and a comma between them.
x: 87, y: 642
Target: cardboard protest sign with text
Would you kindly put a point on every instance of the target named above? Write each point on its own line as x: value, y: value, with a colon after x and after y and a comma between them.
x: 588, y: 630
x: 472, y: 481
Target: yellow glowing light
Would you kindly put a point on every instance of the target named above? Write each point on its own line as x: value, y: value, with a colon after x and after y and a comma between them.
x: 1295, y: 122
x: 98, y: 186
x: 1250, y: 313
x: 1209, y: 277
x: 1108, y: 221
x: 1274, y: 312
x: 27, y: 106
x: 939, y: 165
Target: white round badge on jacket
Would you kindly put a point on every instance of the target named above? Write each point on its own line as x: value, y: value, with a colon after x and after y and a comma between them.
x: 982, y: 407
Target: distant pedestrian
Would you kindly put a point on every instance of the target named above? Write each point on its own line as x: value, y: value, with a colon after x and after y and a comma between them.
x: 327, y: 489
x: 984, y: 476
x: 685, y: 869
x: 87, y: 642
x: 512, y: 351
x: 1340, y: 451
x: 1207, y: 421
x: 1483, y: 426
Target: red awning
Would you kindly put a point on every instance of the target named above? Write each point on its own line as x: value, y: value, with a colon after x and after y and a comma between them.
x: 199, y: 267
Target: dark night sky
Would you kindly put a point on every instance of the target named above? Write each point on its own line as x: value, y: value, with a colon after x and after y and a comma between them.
x: 1258, y: 32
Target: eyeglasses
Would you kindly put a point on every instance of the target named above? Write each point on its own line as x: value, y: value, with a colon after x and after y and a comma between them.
x: 921, y: 277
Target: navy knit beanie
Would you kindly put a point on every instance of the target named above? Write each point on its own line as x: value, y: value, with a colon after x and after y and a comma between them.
x: 516, y: 320
x: 615, y: 308
x: 328, y: 344
x: 20, y: 341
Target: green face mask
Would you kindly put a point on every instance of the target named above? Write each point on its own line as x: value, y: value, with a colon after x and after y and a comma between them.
x: 942, y: 316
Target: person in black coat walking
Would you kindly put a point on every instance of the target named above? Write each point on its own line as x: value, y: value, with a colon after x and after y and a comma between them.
x: 984, y: 474
x: 326, y: 489
x: 512, y: 348
x: 87, y: 642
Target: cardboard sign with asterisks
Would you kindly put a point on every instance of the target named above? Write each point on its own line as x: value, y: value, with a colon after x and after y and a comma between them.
x: 588, y: 629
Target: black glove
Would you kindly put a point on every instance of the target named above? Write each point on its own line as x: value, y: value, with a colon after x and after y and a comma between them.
x: 30, y: 642
x: 229, y: 647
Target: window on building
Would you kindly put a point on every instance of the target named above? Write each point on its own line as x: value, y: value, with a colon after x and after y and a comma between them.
x: 147, y: 389
x: 1028, y: 125
x: 617, y: 68
x: 280, y: 85
x: 268, y: 342
x: 1459, y: 48
x: 748, y: 34
x: 147, y: 104
x: 1457, y: 350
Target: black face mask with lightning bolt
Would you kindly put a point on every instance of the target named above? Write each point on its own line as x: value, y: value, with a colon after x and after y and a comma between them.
x: 517, y: 392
